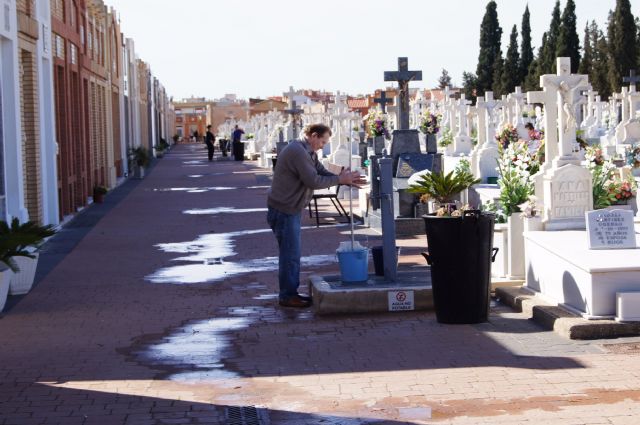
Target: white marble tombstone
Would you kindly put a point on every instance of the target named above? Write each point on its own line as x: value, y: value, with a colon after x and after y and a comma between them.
x: 462, y: 141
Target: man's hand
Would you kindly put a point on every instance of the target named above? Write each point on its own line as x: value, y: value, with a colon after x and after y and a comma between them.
x: 352, y: 178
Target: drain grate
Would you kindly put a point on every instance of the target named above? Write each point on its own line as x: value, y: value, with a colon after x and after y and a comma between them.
x: 246, y: 415
x: 623, y: 348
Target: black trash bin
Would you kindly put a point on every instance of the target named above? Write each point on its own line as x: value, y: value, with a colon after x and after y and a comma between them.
x: 460, y: 254
x: 378, y: 259
x: 238, y: 151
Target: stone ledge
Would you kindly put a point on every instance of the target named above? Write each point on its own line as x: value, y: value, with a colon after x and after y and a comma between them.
x: 331, y: 297
x: 562, y: 320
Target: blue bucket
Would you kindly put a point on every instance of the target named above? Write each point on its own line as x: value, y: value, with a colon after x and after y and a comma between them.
x: 354, y: 265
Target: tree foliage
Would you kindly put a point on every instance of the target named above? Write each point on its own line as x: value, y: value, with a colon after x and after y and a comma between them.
x: 490, y: 48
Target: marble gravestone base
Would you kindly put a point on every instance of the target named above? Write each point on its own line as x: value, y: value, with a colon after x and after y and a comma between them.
x: 561, y: 267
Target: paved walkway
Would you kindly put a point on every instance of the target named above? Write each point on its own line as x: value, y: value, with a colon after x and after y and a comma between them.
x: 158, y: 307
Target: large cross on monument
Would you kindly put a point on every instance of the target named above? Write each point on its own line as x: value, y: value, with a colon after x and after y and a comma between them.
x: 632, y: 79
x: 293, y: 111
x: 403, y: 76
x: 383, y: 100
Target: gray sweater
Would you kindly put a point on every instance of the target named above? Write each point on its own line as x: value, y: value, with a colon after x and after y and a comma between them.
x: 297, y: 174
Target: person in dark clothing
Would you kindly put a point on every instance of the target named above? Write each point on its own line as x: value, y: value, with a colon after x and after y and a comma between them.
x: 209, y: 140
x: 236, y: 145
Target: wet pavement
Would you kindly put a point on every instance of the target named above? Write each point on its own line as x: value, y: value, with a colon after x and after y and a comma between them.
x: 159, y: 307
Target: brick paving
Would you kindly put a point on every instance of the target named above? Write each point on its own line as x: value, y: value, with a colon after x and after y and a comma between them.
x: 147, y: 314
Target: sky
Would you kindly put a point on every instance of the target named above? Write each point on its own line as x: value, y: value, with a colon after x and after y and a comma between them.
x: 258, y: 48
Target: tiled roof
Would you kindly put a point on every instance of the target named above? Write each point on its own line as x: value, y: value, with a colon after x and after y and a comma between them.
x: 357, y: 103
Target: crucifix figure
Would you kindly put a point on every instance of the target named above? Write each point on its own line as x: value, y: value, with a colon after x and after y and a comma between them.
x: 403, y: 76
x: 383, y: 100
x: 293, y: 111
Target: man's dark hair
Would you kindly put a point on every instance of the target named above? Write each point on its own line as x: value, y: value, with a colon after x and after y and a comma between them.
x: 319, y: 129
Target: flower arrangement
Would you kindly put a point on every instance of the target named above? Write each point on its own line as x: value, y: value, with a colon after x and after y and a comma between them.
x: 633, y: 156
x: 529, y: 208
x: 620, y: 191
x: 378, y: 124
x: 250, y: 136
x: 581, y: 144
x: 446, y: 139
x: 507, y: 135
x: 430, y: 123
x: 602, y: 176
x: 516, y: 166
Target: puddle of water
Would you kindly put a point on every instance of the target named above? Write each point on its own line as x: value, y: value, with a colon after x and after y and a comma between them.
x: 197, y: 350
x: 266, y: 297
x: 258, y: 187
x: 196, y: 176
x: 193, y: 162
x: 193, y: 189
x: 210, y: 253
x: 208, y: 273
x: 223, y: 210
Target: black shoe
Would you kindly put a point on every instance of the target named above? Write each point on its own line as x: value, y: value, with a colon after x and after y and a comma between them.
x: 296, y: 301
x: 304, y: 297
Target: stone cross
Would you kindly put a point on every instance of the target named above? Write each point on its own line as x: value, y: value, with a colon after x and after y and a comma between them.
x: 383, y: 100
x: 482, y: 109
x: 462, y: 105
x: 632, y: 79
x: 293, y: 111
x: 403, y: 76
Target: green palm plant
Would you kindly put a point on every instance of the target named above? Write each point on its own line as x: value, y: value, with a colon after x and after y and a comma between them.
x: 444, y: 187
x: 16, y: 238
x: 140, y: 156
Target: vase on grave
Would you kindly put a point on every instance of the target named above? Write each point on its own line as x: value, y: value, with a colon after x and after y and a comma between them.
x: 421, y: 209
x: 432, y: 143
x: 515, y: 264
x: 460, y: 277
x: 533, y: 224
x: 379, y: 144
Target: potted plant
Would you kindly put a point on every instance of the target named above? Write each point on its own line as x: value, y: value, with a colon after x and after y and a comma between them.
x: 19, y: 244
x: 141, y: 158
x: 460, y: 243
x: 98, y: 193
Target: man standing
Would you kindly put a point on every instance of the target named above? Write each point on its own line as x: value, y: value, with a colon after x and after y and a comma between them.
x: 209, y: 140
x: 297, y: 174
x: 237, y: 146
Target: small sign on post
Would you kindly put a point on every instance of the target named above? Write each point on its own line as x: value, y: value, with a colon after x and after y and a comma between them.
x: 611, y: 229
x: 401, y: 301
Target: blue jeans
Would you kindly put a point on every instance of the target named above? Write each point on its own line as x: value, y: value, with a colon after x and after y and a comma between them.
x: 286, y: 228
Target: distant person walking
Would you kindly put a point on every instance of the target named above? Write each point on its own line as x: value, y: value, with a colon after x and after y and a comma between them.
x: 296, y: 175
x: 236, y: 145
x: 209, y: 140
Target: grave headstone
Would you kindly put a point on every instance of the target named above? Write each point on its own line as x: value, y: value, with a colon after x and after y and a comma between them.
x: 411, y: 163
x: 611, y: 229
x: 568, y: 196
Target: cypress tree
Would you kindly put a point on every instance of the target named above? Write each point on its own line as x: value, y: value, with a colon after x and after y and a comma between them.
x: 547, y: 62
x: 599, y: 75
x: 469, y: 83
x: 526, y: 51
x: 586, y: 64
x: 444, y: 80
x: 497, y: 86
x: 622, y: 41
x: 568, y: 40
x: 490, y: 48
x: 511, y: 70
x: 532, y: 81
